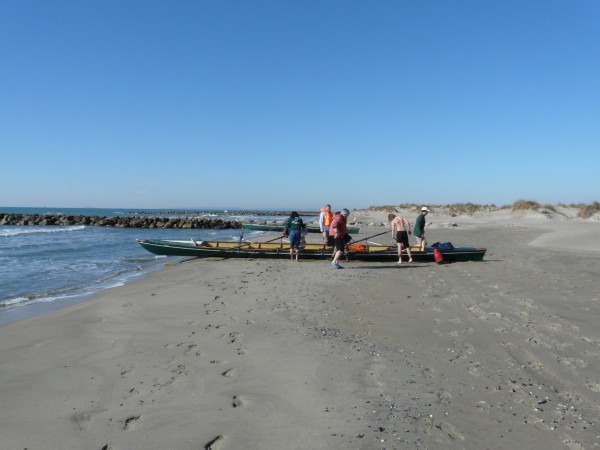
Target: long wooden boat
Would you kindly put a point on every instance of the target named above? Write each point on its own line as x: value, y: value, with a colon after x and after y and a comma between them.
x: 310, y: 229
x: 360, y: 252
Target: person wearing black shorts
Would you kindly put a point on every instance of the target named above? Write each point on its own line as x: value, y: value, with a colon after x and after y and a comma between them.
x: 338, y: 231
x: 400, y: 230
x: 402, y: 238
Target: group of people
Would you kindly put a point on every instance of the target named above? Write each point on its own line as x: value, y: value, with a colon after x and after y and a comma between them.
x: 335, y: 232
x: 332, y: 226
x: 401, y: 229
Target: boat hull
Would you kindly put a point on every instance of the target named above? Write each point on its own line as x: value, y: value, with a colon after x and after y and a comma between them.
x: 311, y: 251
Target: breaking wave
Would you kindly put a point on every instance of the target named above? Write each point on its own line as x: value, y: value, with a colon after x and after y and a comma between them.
x: 19, y: 231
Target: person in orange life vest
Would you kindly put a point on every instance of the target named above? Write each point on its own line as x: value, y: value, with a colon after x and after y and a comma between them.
x: 325, y: 219
x: 338, y: 230
x: 400, y: 231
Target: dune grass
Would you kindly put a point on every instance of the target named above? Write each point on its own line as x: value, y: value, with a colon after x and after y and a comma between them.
x: 525, y: 205
x: 587, y: 211
x: 461, y: 209
x: 383, y: 208
x: 455, y: 209
x: 549, y: 207
x: 397, y: 208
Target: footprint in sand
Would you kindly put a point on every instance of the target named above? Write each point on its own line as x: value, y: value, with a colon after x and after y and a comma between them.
x: 187, y: 346
x: 130, y: 421
x: 238, y: 401
x: 427, y: 373
x: 573, y: 363
x: 474, y: 368
x: 214, y: 443
x: 450, y: 431
x: 83, y: 419
x: 234, y: 337
x: 444, y: 397
x: 230, y: 373
x: 180, y: 370
x: 593, y: 385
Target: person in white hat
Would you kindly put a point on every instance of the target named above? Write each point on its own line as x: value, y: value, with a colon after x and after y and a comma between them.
x: 419, y: 229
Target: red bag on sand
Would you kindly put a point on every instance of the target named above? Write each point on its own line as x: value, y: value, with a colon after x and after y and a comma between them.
x: 437, y: 255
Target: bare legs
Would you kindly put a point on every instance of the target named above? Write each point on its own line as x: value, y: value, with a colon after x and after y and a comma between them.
x: 407, y: 252
x: 337, y: 256
x: 292, y: 253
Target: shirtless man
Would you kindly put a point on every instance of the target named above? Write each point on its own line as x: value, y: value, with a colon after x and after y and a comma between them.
x: 400, y: 231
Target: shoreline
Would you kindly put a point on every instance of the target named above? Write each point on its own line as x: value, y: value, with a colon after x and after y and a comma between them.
x: 232, y: 354
x: 561, y: 236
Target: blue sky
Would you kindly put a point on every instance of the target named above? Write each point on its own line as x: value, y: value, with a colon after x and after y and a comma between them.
x: 293, y: 104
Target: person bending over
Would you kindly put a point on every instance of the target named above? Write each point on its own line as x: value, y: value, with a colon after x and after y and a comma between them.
x: 294, y: 225
x: 400, y: 231
x: 338, y: 230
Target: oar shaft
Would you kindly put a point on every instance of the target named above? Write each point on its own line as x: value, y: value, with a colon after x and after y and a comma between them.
x: 370, y: 237
x: 271, y: 240
x: 278, y: 237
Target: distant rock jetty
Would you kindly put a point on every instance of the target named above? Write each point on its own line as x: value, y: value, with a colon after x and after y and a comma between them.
x: 119, y: 221
x: 180, y: 212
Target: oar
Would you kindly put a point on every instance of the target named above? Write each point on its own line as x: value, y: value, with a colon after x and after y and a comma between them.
x: 370, y: 237
x: 271, y: 240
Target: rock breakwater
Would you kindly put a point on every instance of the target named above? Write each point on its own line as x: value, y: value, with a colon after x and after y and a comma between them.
x: 180, y: 212
x: 118, y: 221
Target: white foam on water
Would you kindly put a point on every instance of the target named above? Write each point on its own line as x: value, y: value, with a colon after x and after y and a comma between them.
x: 13, y: 230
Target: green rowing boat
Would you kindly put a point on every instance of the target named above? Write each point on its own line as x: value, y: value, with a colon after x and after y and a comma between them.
x: 360, y: 252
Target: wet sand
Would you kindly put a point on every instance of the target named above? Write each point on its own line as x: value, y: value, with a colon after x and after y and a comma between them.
x: 260, y: 354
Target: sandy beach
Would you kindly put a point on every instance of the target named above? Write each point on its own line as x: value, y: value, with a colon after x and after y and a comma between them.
x: 269, y: 354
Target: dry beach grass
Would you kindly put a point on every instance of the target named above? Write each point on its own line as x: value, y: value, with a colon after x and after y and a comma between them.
x: 250, y: 354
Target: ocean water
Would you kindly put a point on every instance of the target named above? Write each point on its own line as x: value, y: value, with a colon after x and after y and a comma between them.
x: 45, y: 267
